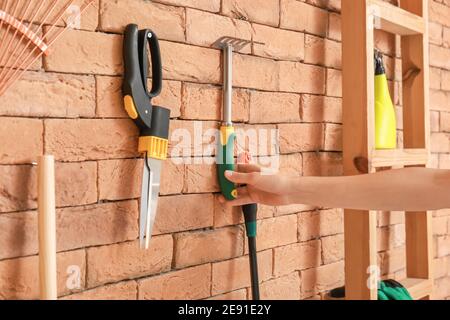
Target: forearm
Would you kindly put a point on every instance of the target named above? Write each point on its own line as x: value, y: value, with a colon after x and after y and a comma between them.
x: 410, y: 189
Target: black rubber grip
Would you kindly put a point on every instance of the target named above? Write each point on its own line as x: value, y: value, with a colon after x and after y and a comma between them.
x: 160, y: 123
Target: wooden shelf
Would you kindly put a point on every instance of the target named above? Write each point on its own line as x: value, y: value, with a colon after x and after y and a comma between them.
x: 396, y: 20
x: 399, y: 157
x: 418, y: 288
x: 359, y: 19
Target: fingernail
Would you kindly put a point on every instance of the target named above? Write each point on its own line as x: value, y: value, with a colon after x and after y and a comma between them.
x: 229, y: 173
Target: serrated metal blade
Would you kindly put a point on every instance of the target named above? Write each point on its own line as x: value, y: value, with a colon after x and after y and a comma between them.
x: 149, y: 199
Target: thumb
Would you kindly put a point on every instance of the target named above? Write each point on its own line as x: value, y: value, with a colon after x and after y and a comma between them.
x: 240, y: 177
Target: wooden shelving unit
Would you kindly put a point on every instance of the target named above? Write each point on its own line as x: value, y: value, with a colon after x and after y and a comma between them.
x: 410, y: 20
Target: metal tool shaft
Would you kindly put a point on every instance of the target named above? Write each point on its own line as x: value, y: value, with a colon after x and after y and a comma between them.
x: 227, y: 83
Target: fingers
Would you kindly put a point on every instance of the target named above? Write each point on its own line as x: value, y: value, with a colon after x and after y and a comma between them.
x: 239, y: 177
x: 247, y: 168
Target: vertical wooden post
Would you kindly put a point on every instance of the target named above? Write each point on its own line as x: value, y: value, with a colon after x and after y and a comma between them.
x: 47, y: 228
x: 416, y: 121
x: 358, y: 141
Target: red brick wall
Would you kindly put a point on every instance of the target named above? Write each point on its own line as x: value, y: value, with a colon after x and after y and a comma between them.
x: 70, y: 106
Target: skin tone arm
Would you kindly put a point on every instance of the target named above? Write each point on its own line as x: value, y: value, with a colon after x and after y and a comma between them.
x: 409, y: 189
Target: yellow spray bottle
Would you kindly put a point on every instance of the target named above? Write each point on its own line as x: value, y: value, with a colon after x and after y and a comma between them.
x: 385, y: 119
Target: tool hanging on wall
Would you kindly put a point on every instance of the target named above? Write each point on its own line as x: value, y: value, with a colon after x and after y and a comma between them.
x: 23, y: 38
x: 385, y: 119
x: 152, y: 121
x: 47, y: 227
x: 225, y: 152
x: 250, y: 212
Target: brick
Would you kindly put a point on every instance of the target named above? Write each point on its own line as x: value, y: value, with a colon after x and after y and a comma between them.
x: 439, y: 13
x: 392, y: 261
x: 40, y: 94
x: 116, y: 15
x: 192, y: 138
x: 387, y: 218
x: 95, y: 225
x: 255, y: 73
x: 439, y: 100
x: 444, y: 161
x: 227, y: 216
x: 322, y: 164
x: 440, y: 268
x: 109, y: 97
x: 435, y: 121
x: 207, y: 5
x: 334, y: 27
x: 76, y: 183
x: 234, y: 274
x: 19, y: 278
x: 234, y: 295
x: 283, y: 288
x: 323, y: 278
x: 333, y: 5
x: 439, y: 225
x: 440, y: 142
x: 300, y: 137
x: 259, y: 140
x: 126, y: 260
x: 87, y: 139
x: 189, y: 63
x: 435, y: 32
x: 31, y: 142
x: 446, y: 37
x: 276, y: 232
x: 291, y: 164
x: 268, y: 12
x: 333, y: 137
x: 312, y: 225
x: 199, y: 21
x: 321, y: 51
x: 193, y: 248
x: 201, y: 178
x: 19, y: 188
x: 334, y: 83
x: 296, y: 257
x: 195, y: 281
x: 278, y: 44
x: 441, y: 289
x: 332, y: 248
x: 445, y: 80
x: 18, y: 234
x: 301, y: 78
x: 204, y: 102
x: 442, y: 246
x: 385, y: 42
x: 121, y: 179
x: 88, y: 53
x: 435, y: 78
x: 300, y: 16
x: 268, y: 107
x: 293, y: 208
x: 184, y: 212
x: 126, y: 290
x: 321, y: 109
x: 439, y: 57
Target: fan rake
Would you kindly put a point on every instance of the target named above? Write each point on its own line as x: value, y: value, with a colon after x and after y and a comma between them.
x: 28, y: 28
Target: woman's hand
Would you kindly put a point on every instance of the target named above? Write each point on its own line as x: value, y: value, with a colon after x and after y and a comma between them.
x: 258, y: 188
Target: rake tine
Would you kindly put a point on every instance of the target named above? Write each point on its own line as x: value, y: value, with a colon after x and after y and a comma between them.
x: 19, y: 71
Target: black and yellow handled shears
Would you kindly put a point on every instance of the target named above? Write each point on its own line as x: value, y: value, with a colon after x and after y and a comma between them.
x: 152, y: 121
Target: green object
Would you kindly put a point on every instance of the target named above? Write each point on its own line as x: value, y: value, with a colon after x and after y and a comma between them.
x: 392, y: 290
x: 387, y: 290
x: 225, y: 161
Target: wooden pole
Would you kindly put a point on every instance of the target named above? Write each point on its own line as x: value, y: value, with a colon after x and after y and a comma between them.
x: 47, y: 227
